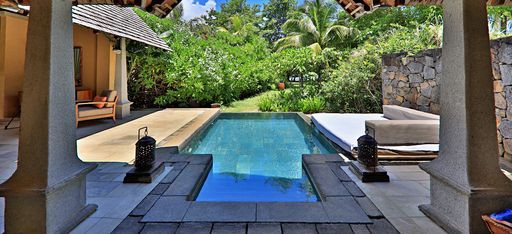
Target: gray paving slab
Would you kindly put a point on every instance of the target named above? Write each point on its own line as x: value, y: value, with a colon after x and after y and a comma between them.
x: 359, y: 229
x: 195, y: 159
x: 328, y: 184
x: 160, y: 228
x: 382, y: 226
x: 167, y: 209
x: 186, y: 181
x: 163, y: 153
x: 159, y: 189
x: 336, y: 169
x: 177, y: 158
x: 321, y: 158
x: 194, y: 228
x: 179, y: 165
x: 305, y: 212
x: 353, y: 189
x: 333, y: 228
x: 345, y: 210
x: 221, y: 212
x: 101, y: 177
x: 171, y: 176
x: 129, y: 225
x: 143, y: 207
x: 229, y: 228
x: 264, y: 228
x: 298, y: 228
x: 101, y: 189
x: 369, y: 208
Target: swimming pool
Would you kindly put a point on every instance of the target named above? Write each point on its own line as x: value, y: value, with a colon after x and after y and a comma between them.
x: 258, y: 157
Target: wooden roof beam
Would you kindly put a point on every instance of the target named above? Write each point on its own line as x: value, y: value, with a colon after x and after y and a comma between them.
x: 357, y: 8
x: 160, y: 8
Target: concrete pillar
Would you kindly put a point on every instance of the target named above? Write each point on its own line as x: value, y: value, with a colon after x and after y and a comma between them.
x: 466, y: 181
x: 47, y: 191
x: 121, y: 83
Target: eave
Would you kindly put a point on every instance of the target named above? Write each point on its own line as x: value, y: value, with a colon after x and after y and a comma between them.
x: 357, y: 8
x: 160, y: 8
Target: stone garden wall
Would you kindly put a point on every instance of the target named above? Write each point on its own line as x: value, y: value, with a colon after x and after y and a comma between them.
x: 414, y: 82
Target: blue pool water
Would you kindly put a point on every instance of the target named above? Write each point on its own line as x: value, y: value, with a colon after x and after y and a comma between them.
x: 257, y: 157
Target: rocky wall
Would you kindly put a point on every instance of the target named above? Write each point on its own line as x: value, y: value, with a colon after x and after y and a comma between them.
x: 415, y: 82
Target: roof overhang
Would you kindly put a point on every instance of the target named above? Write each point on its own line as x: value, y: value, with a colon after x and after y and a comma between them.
x: 357, y: 8
x: 117, y: 21
x: 160, y: 8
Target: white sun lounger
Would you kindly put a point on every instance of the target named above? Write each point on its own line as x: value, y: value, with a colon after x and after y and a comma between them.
x: 345, y: 129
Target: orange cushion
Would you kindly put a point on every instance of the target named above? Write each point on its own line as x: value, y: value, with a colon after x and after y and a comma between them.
x: 99, y: 99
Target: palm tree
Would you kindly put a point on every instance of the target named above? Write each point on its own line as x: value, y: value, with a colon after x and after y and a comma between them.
x: 176, y: 13
x: 238, y: 27
x: 314, y: 27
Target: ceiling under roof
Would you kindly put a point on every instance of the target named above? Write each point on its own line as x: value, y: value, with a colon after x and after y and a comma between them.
x: 357, y: 8
x: 160, y: 8
x: 118, y: 21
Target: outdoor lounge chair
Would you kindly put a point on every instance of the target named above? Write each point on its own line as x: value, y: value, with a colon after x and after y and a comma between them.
x: 88, y: 110
x: 401, y: 132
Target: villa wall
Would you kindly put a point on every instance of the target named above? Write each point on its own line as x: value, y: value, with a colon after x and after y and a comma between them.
x: 414, y: 82
x: 98, y: 60
x: 13, y: 63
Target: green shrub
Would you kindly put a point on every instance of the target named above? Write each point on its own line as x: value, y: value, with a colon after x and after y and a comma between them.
x: 266, y: 103
x: 312, y: 105
x: 196, y: 72
x: 291, y: 100
x: 205, y: 66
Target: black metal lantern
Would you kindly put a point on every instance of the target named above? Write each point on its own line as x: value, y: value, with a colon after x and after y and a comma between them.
x: 367, y: 153
x: 145, y: 151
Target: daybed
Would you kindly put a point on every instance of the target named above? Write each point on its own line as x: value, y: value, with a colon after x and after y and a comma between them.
x: 98, y: 109
x: 401, y: 132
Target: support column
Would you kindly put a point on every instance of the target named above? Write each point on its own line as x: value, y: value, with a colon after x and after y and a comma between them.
x: 47, y: 191
x: 121, y: 83
x: 465, y: 180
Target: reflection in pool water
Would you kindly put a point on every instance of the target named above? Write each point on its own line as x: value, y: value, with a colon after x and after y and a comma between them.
x: 257, y: 157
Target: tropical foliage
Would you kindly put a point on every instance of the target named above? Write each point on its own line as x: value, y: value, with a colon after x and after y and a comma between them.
x: 314, y: 26
x: 328, y: 61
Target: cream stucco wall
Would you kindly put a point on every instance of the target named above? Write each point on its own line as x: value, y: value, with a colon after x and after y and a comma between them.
x: 98, y: 65
x: 98, y: 60
x: 12, y: 46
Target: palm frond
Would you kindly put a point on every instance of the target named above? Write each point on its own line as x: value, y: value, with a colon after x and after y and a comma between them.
x: 222, y: 29
x: 303, y: 25
x: 338, y: 34
x: 316, y: 48
x: 289, y: 41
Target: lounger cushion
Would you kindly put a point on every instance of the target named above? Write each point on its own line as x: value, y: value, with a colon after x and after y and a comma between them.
x: 111, y: 96
x: 404, y: 132
x: 345, y: 129
x: 87, y: 111
x: 402, y: 113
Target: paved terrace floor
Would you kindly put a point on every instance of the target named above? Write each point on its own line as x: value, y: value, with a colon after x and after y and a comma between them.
x: 96, y: 139
x: 168, y: 126
x: 397, y: 200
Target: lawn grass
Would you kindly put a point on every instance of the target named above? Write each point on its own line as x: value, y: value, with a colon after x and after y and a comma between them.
x: 246, y: 105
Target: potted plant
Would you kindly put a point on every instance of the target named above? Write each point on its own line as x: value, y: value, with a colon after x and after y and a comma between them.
x: 281, y: 85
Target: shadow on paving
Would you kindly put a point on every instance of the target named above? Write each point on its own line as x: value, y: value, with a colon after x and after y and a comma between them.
x: 90, y: 127
x: 170, y: 207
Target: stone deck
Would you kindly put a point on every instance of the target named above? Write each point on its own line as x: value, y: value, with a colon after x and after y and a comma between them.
x: 118, y: 143
x: 170, y: 207
x: 397, y: 200
x: 104, y: 184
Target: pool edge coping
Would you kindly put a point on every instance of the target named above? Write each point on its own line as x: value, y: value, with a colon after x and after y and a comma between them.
x: 182, y: 162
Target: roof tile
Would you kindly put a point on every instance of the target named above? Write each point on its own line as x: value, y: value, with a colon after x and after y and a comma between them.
x: 118, y: 21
